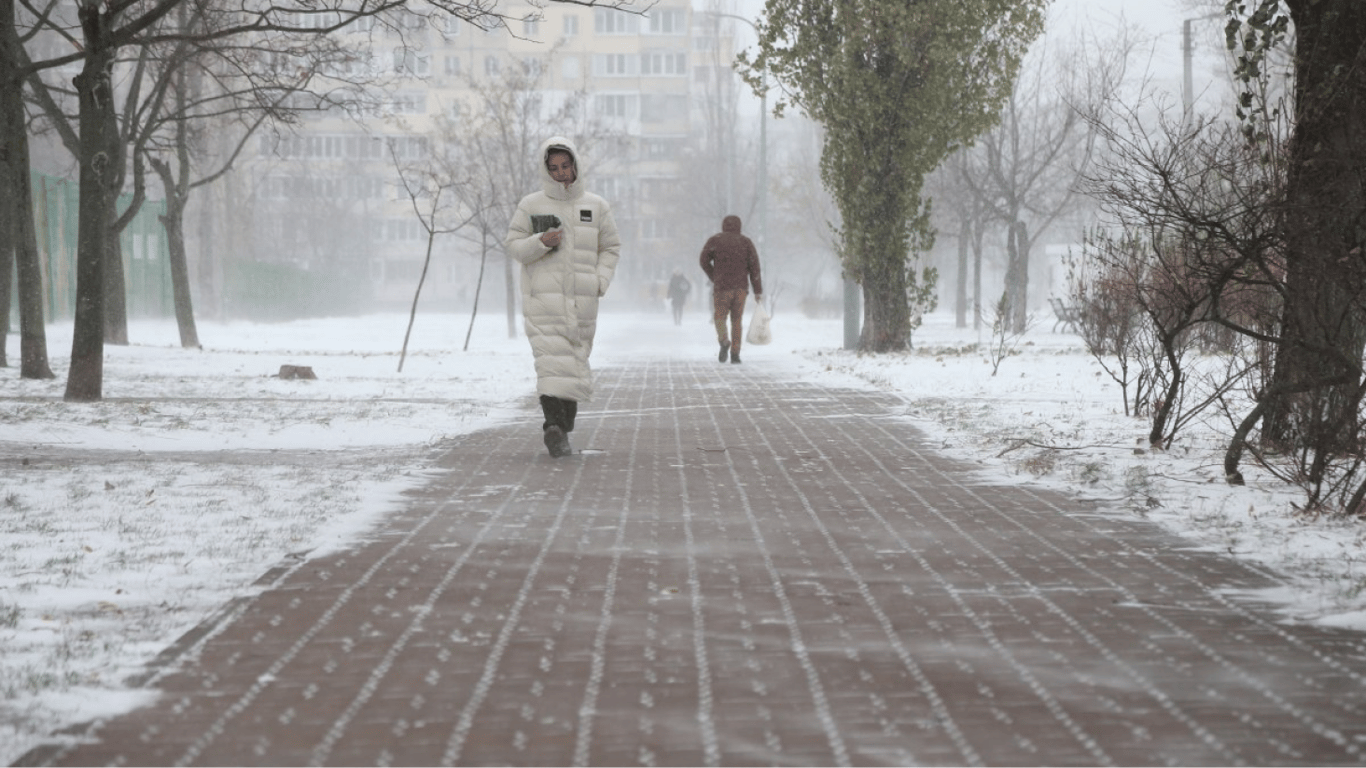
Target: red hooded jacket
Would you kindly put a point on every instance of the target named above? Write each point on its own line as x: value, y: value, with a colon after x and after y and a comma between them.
x: 730, y: 259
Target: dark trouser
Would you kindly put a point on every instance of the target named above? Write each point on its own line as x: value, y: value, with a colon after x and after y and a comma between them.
x: 559, y: 411
x: 729, y: 303
x: 678, y: 311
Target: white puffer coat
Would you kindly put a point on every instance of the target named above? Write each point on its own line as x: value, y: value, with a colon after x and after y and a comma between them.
x: 561, y: 287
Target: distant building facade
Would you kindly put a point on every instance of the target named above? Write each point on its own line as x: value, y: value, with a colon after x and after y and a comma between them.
x: 325, y: 199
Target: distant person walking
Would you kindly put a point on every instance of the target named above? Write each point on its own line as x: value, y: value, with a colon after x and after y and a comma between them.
x: 567, y: 243
x: 732, y: 264
x: 679, y: 286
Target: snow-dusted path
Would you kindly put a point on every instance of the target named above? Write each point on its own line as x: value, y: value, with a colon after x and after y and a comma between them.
x: 736, y: 569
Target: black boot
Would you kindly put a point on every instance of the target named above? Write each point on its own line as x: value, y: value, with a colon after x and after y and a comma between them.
x: 725, y: 351
x: 559, y: 420
x: 557, y: 442
x: 735, y: 356
x: 569, y: 409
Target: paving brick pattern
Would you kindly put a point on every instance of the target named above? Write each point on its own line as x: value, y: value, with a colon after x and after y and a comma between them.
x: 738, y: 570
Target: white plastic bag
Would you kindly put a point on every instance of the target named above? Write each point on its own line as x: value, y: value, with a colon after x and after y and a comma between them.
x: 759, y: 333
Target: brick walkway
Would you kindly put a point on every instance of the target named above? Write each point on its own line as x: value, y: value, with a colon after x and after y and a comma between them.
x: 738, y: 570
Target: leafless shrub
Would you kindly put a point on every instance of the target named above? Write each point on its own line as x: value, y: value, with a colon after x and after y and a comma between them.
x: 1196, y: 253
x: 1196, y: 250
x: 1109, y: 323
x: 1005, y: 335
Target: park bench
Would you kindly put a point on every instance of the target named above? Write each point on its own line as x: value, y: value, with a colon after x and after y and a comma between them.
x: 1066, y: 316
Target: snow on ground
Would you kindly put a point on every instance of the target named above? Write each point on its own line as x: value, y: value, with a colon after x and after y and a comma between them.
x: 127, y: 522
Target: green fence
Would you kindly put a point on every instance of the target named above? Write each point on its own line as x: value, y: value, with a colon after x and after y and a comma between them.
x: 146, y: 263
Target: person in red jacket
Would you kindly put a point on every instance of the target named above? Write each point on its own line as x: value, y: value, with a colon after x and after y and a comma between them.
x: 732, y: 264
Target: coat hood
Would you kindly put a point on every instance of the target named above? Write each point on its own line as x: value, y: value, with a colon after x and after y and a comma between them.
x: 728, y: 224
x: 554, y: 189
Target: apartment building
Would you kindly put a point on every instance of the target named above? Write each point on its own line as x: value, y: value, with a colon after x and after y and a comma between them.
x: 326, y: 201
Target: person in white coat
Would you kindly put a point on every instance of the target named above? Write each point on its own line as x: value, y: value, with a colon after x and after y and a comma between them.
x: 567, y: 243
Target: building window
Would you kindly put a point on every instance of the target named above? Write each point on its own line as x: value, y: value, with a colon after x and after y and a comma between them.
x: 571, y: 25
x: 491, y: 65
x: 607, y: 21
x: 317, y: 20
x: 407, y: 147
x: 616, y: 105
x: 412, y: 63
x: 668, y: 21
x: 452, y: 65
x: 610, y: 187
x: 664, y: 64
x: 364, y: 147
x: 400, y: 230
x: 531, y: 26
x: 410, y: 103
x: 358, y: 65
x: 658, y: 149
x: 615, y: 65
x: 532, y: 67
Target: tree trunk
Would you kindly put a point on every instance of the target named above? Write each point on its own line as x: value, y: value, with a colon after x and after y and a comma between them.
x: 19, y: 240
x: 7, y: 215
x: 1166, y: 405
x: 1022, y: 245
x: 960, y: 297
x: 478, y: 286
x: 421, y: 279
x: 1322, y: 316
x: 1017, y: 276
x: 876, y: 243
x: 32, y: 329
x: 101, y: 151
x: 11, y: 131
x: 174, y: 224
x: 115, y: 284
x: 978, y: 233
x: 886, y: 314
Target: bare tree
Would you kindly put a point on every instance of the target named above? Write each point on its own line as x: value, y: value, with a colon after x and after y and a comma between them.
x: 433, y: 185
x: 961, y: 211
x: 1201, y: 244
x: 510, y: 117
x: 1024, y: 171
x: 100, y: 32
x: 230, y: 88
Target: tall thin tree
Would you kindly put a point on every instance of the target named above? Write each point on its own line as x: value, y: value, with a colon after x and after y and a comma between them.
x: 897, y: 85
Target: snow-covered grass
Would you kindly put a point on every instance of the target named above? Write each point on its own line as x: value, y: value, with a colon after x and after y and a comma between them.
x: 124, y: 523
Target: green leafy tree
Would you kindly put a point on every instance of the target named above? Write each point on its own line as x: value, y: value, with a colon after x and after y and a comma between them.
x: 897, y: 85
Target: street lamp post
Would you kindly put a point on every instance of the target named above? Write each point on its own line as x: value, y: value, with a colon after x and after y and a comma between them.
x: 1187, y: 54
